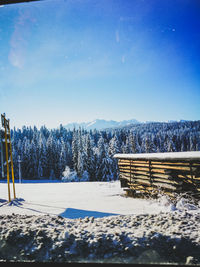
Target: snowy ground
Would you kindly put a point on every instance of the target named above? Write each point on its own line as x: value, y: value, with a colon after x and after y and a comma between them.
x: 75, y: 200
x: 95, y: 222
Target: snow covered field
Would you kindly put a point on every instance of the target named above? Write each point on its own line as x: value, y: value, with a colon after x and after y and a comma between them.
x: 95, y: 222
x: 75, y: 200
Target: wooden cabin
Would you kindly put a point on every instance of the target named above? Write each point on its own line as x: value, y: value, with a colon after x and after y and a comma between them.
x: 154, y: 173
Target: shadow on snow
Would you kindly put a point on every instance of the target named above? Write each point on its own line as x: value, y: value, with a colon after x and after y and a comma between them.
x: 71, y: 213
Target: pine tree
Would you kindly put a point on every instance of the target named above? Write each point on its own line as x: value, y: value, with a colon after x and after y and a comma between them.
x: 113, y: 146
x: 101, y: 156
x: 75, y: 150
x: 50, y: 157
x: 81, y: 154
x: 62, y: 158
x: 89, y: 160
x: 42, y: 165
x: 112, y: 150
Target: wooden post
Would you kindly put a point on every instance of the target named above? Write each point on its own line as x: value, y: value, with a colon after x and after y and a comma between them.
x: 150, y: 172
x: 7, y: 163
x: 2, y: 158
x: 11, y: 159
x: 8, y: 154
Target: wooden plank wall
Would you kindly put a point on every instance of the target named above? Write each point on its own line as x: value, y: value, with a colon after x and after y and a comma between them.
x: 153, y: 176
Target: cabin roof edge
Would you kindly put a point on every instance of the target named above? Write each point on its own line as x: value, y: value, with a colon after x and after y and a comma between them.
x: 186, y: 155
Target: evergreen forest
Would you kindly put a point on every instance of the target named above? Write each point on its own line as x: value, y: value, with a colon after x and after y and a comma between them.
x: 45, y: 153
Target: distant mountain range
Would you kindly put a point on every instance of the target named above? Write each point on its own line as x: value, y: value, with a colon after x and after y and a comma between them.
x: 99, y: 124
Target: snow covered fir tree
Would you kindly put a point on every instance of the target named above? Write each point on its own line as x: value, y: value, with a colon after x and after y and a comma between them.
x: 88, y: 155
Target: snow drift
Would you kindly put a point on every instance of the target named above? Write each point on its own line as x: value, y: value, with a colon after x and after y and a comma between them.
x: 95, y: 222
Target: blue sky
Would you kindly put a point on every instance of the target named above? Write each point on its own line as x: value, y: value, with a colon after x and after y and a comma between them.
x: 72, y: 61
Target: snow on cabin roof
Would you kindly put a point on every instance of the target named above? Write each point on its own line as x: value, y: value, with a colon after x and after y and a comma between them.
x: 189, y: 155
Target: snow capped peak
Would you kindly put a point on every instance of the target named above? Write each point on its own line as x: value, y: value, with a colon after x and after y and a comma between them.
x: 100, y: 124
x: 92, y: 123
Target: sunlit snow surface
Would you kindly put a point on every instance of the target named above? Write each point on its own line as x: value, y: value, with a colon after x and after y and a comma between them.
x: 80, y: 199
x: 75, y: 200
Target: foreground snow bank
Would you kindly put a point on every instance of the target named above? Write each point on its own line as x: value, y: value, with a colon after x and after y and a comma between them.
x: 95, y: 222
x: 148, y: 238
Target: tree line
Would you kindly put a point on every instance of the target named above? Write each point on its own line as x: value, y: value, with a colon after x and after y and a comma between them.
x: 45, y: 153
